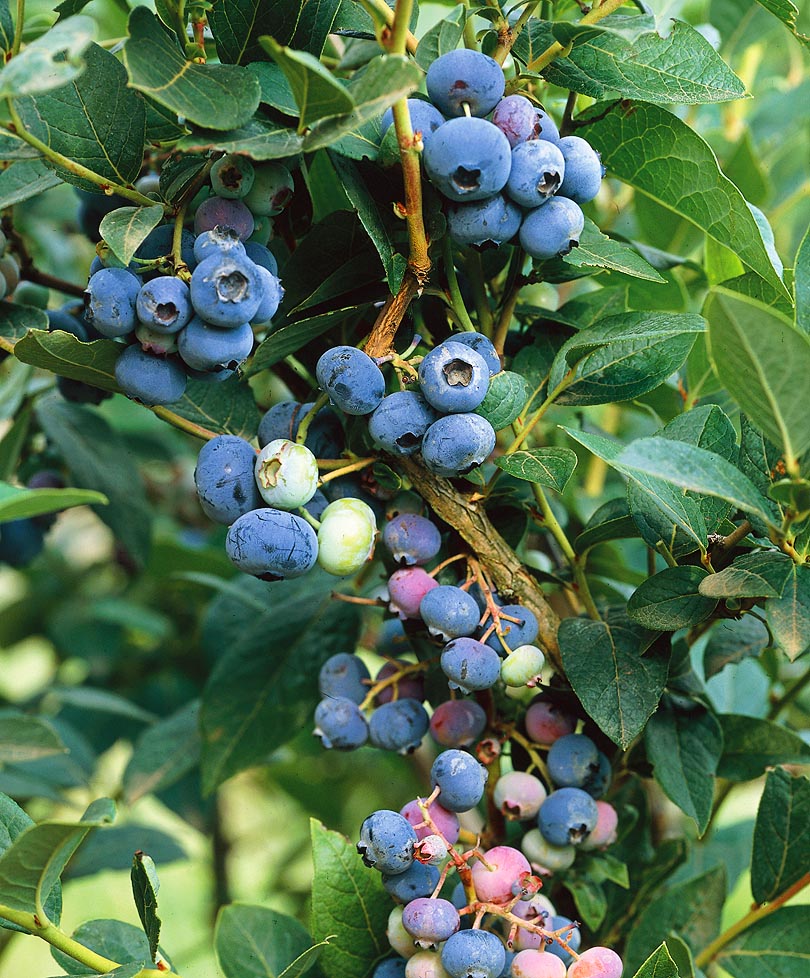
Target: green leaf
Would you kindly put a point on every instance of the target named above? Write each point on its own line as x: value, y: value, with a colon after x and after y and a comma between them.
x: 212, y: 96
x: 292, y: 338
x: 659, y: 965
x: 781, y: 852
x: 589, y: 899
x: 26, y: 738
x: 113, y: 939
x: 618, y: 686
x: 18, y: 503
x: 13, y: 442
x: 749, y: 347
x: 164, y: 753
x: 788, y: 13
x: 506, y: 397
x: 238, y: 24
x: 145, y: 886
x: 801, y: 284
x: 691, y: 909
x: 13, y: 148
x: 178, y: 173
x: 253, y: 702
x: 226, y: 407
x: 684, y: 747
x: 751, y: 745
x: 25, y: 179
x: 256, y: 942
x: 348, y: 902
x: 681, y: 954
x: 670, y: 600
x: 51, y: 60
x: 597, y: 250
x: 95, y: 120
x: 97, y: 457
x: 759, y: 574
x: 125, y: 228
x: 276, y: 91
x: 13, y: 822
x: 636, y: 140
x: 550, y: 467
x: 611, y: 521
x: 260, y: 139
x: 442, y: 37
x: 318, y: 94
x: 6, y: 28
x: 112, y: 850
x: 732, y: 640
x: 775, y: 947
x: 33, y: 863
x: 64, y: 354
x: 788, y: 615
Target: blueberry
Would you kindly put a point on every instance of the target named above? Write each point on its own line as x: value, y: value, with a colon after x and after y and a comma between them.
x: 340, y: 724
x: 286, y: 474
x: 386, y: 842
x: 218, y: 241
x: 519, y: 795
x: 112, y: 296
x: 456, y: 444
x: 537, y: 172
x: 226, y: 290
x: 164, y: 304
x: 464, y: 77
x: 429, y: 922
x: 346, y: 536
x: 473, y: 954
x: 425, y: 118
x: 482, y: 224
x: 149, y: 379
x: 260, y: 255
x: 573, y: 938
x: 232, y: 176
x: 155, y: 342
x: 449, y: 612
x: 342, y: 675
x: 547, y: 720
x: 572, y: 761
x: 211, y: 348
x: 552, y: 229
x: 272, y: 190
x: 390, y: 967
x: 454, y: 378
x: 516, y: 117
x: 545, y: 127
x: 567, y: 816
x: 583, y: 170
x: 534, y: 962
x: 419, y: 880
x: 20, y: 542
x: 272, y: 293
x: 603, y: 834
x: 445, y: 821
x: 457, y: 723
x: 406, y: 588
x: 469, y: 665
x: 545, y: 856
x: 272, y: 544
x: 225, y: 480
x: 158, y: 244
x: 352, y: 380
x: 409, y: 687
x: 59, y: 319
x: 398, y: 726
x: 461, y: 779
x: 400, y: 421
x: 219, y: 211
x: 80, y: 393
x: 514, y: 633
x: 391, y: 638
x: 494, y: 882
x: 31, y: 294
x: 281, y: 421
x: 324, y: 437
x: 523, y: 666
x: 601, y: 961
x: 412, y: 539
x: 598, y: 780
x: 468, y: 159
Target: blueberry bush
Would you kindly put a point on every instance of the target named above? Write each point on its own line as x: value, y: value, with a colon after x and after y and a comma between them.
x: 405, y: 489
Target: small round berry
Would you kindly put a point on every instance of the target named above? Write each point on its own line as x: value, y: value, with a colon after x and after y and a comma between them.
x: 340, y: 724
x: 399, y: 939
x: 286, y: 474
x: 346, y: 536
x: 412, y: 539
x: 398, y: 726
x: 225, y: 480
x: 425, y: 964
x: 430, y: 922
x: 386, y: 842
x: 343, y: 674
x: 406, y: 588
x: 545, y: 857
x: 547, y: 721
x: 567, y: 816
x: 457, y: 723
x: 493, y: 881
x: 465, y: 77
x: 470, y: 665
x: 454, y: 378
x: 232, y: 176
x: 572, y: 937
x: 449, y: 612
x: 536, y: 964
x: 522, y: 631
x: 572, y: 760
x: 460, y: 778
x: 473, y: 954
x: 596, y: 962
x: 400, y: 421
x: 603, y: 834
x: 352, y: 380
x: 419, y: 880
x: 519, y: 795
x: 522, y: 667
x: 446, y: 822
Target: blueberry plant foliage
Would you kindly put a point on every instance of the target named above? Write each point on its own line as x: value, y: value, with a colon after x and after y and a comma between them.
x: 513, y: 301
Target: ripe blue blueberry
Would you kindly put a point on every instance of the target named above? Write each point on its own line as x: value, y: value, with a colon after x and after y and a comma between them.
x: 473, y: 954
x: 400, y: 421
x: 429, y: 922
x: 219, y: 211
x: 449, y: 612
x: 226, y: 290
x: 352, y: 380
x: 60, y: 319
x: 572, y: 761
x: 164, y: 304
x: 211, y: 348
x: 573, y: 938
x: 232, y: 176
x: 456, y: 444
x: 461, y: 779
x: 515, y: 633
x: 482, y: 345
x: 537, y: 172
x: 390, y: 967
x: 260, y: 255
x: 391, y: 638
x: 484, y: 223
x: 454, y: 378
x: 149, y: 379
x: 583, y: 170
x: 20, y: 542
x: 516, y: 117
x: 457, y: 723
x: 412, y: 539
x: 545, y: 127
x: 420, y: 880
x: 468, y: 159
x: 226, y: 485
x: 158, y: 244
x: 324, y: 436
x: 339, y: 724
x: 398, y: 725
x: 425, y: 118
x: 272, y: 544
x: 111, y: 306
x: 272, y: 293
x: 552, y: 229
x: 469, y: 665
x: 342, y: 675
x: 218, y: 241
x: 567, y: 816
x: 462, y: 77
x: 386, y: 842
x: 598, y: 780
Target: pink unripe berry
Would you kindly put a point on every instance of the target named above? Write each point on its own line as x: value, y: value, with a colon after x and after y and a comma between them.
x: 493, y: 882
x: 519, y: 795
x: 527, y: 940
x: 406, y: 588
x: 537, y: 964
x: 539, y: 909
x: 446, y: 822
x: 432, y: 849
x: 603, y: 834
x: 596, y: 962
x: 547, y: 721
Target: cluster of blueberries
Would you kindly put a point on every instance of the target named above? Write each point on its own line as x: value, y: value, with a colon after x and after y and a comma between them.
x: 495, y: 924
x: 198, y: 320
x: 23, y: 539
x: 500, y: 162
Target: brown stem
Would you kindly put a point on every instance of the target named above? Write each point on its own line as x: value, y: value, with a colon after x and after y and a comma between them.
x: 507, y: 37
x: 385, y: 329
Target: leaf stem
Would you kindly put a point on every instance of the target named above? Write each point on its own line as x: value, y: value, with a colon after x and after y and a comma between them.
x: 303, y: 427
x: 361, y: 463
x: 456, y: 299
x: 526, y: 430
x: 475, y: 273
x: 556, y: 49
x: 514, y: 283
x: 183, y: 424
x: 709, y: 953
x: 18, y: 28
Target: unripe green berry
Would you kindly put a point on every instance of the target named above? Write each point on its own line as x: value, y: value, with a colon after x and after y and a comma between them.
x: 522, y: 666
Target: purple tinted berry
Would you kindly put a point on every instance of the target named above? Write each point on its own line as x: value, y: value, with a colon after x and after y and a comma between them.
x: 456, y: 444
x: 464, y: 77
x: 482, y: 345
x: 111, y: 305
x: 573, y: 938
x: 409, y: 687
x: 572, y: 760
x: 583, y: 170
x: 386, y: 842
x: 547, y: 721
x: 164, y: 304
x: 519, y: 795
x: 430, y: 922
x: 419, y: 880
x: 516, y: 117
x: 514, y: 633
x: 473, y: 954
x: 460, y: 778
x: 468, y: 159
x: 535, y: 963
x: 149, y: 379
x: 225, y: 480
x: 412, y: 539
x: 425, y: 118
x: 226, y: 290
x: 398, y: 726
x: 458, y: 723
x: 218, y: 211
x: 446, y: 822
x: 210, y: 348
x: 483, y: 224
x: 406, y: 588
x: 552, y: 229
x: 340, y: 724
x: 449, y: 612
x: 597, y: 962
x: 272, y: 544
x: 352, y: 380
x: 158, y: 343
x: 493, y: 882
x: 400, y: 421
x: 470, y: 665
x: 537, y: 172
x: 567, y: 816
x: 342, y: 675
x: 603, y: 834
